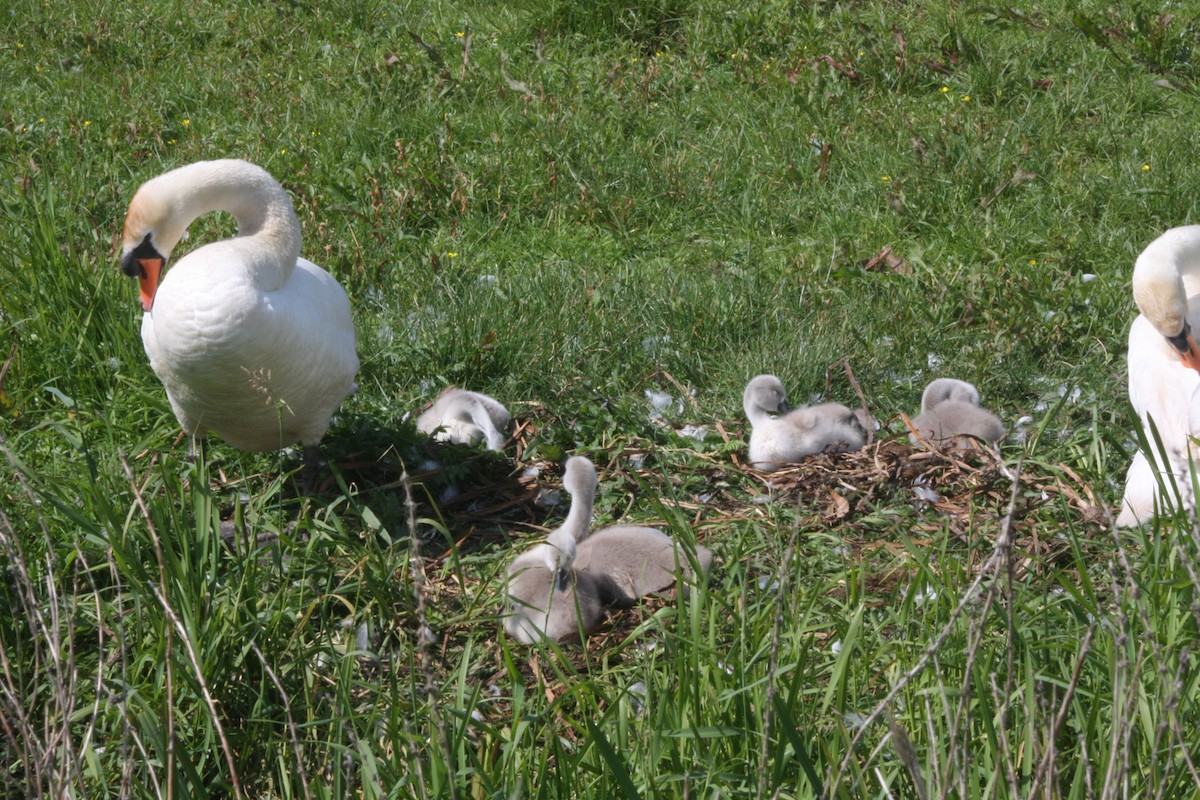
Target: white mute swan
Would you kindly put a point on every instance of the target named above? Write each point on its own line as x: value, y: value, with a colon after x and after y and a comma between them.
x: 950, y: 409
x: 547, y: 597
x: 464, y: 417
x: 251, y: 341
x: 625, y: 562
x: 1163, y: 377
x: 795, y: 434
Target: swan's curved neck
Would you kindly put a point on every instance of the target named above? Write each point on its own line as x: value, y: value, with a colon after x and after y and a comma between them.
x: 261, y: 207
x: 1165, y: 275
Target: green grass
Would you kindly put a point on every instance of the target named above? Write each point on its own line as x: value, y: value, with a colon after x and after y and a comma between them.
x: 565, y: 205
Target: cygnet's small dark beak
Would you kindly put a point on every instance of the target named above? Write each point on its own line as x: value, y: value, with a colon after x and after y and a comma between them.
x: 562, y: 580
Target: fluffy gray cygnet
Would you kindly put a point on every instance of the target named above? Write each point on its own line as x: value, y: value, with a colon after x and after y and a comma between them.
x: 465, y: 417
x: 547, y: 597
x: 780, y: 435
x: 625, y: 562
x: 950, y: 409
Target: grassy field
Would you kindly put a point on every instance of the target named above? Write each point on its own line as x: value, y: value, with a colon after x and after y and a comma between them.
x: 575, y: 207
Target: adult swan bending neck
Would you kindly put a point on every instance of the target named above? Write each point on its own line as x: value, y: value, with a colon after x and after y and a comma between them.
x: 1163, y: 373
x: 250, y: 341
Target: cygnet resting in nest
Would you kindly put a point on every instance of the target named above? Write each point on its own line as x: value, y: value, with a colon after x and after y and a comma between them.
x: 950, y: 409
x: 547, y: 597
x: 795, y: 434
x: 464, y: 417
x: 625, y: 562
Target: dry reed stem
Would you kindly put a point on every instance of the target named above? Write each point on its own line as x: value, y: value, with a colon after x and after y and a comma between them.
x: 160, y: 593
x: 782, y: 592
x: 425, y: 633
x: 997, y: 558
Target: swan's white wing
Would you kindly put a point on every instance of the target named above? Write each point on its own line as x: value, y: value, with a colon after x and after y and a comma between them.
x: 1166, y: 396
x: 260, y: 369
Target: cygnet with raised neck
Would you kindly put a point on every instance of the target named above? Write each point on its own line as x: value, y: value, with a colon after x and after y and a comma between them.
x: 547, y: 597
x: 625, y: 562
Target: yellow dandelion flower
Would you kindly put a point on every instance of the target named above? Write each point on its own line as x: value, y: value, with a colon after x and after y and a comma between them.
x: 87, y: 122
x: 170, y: 141
x: 944, y: 89
x: 966, y: 98
x: 283, y: 151
x: 1033, y: 262
x: 885, y: 178
x: 1145, y: 167
x: 452, y: 254
x: 41, y: 119
x: 187, y: 122
x: 460, y: 34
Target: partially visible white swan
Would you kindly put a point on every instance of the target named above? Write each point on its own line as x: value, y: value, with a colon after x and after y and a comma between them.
x: 780, y: 435
x: 250, y: 341
x: 950, y: 410
x: 1164, y: 360
x: 547, y: 597
x: 464, y: 417
x: 625, y: 562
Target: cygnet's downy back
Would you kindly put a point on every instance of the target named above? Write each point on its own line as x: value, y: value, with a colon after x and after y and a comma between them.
x: 781, y: 436
x: 465, y: 417
x: 950, y: 413
x: 628, y: 562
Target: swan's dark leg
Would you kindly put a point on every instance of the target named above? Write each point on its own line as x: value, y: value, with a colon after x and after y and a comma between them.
x: 198, y: 452
x: 310, y: 473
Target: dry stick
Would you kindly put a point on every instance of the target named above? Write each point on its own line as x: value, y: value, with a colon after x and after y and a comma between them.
x: 1144, y: 618
x: 1003, y: 543
x: 1048, y: 760
x: 161, y: 595
x: 1005, y: 762
x: 169, y: 659
x: 1122, y: 724
x: 98, y: 691
x: 293, y: 731
x: 123, y: 708
x: 7, y: 363
x: 1004, y: 546
x: 975, y: 639
x: 904, y: 750
x: 24, y: 734
x: 424, y: 632
x: 861, y: 398
x: 48, y: 634
x: 773, y: 661
x: 466, y: 55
